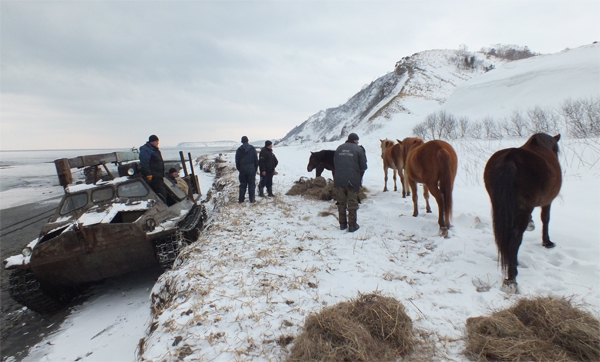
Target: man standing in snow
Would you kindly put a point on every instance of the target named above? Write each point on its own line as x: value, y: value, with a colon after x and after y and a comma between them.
x: 153, y: 167
x: 246, y: 162
x: 350, y: 163
x: 267, y: 163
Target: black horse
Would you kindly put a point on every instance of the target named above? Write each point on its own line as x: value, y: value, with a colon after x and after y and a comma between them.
x: 321, y: 160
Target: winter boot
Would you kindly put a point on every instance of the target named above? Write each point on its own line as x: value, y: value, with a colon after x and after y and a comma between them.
x: 342, y: 217
x: 270, y: 191
x: 242, y: 194
x: 260, y: 191
x: 352, y: 225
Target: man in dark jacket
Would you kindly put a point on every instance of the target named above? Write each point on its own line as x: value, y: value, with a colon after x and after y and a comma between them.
x: 267, y: 163
x: 246, y: 162
x: 153, y: 167
x: 350, y: 163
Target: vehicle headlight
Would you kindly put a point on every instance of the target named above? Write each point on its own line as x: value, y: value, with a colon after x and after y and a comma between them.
x: 150, y: 224
x: 130, y: 171
x: 26, y: 252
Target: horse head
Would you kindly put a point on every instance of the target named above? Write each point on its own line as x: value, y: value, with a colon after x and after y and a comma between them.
x: 313, y: 161
x: 545, y: 141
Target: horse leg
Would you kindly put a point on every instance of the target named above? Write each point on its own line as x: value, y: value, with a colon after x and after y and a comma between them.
x: 521, y: 221
x: 439, y: 198
x: 401, y: 173
x: 394, y: 177
x: 545, y: 221
x: 385, y: 178
x: 320, y: 169
x: 415, y: 196
x: 426, y: 196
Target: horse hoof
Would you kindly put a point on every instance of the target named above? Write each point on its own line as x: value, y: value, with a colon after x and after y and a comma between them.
x: 509, y: 287
x: 549, y: 245
x: 444, y: 232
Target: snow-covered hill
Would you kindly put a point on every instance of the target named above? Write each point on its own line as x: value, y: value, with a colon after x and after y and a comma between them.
x: 441, y: 79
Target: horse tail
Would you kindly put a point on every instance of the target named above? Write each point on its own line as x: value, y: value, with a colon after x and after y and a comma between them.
x: 446, y: 182
x: 504, y: 207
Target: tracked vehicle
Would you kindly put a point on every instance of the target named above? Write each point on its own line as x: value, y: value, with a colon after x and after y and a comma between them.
x: 108, y: 226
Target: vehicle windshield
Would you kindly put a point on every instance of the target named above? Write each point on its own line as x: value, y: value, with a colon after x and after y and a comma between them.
x: 73, y: 202
x: 132, y: 189
x: 102, y: 194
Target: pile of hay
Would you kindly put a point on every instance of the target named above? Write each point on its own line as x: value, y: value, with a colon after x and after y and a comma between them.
x: 369, y: 328
x: 318, y: 188
x: 540, y: 329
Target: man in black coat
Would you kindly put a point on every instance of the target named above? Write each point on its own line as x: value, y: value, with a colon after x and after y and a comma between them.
x: 267, y: 163
x: 350, y: 163
x: 246, y: 162
x: 153, y: 167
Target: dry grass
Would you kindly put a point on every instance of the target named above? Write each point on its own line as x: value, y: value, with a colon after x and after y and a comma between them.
x: 371, y: 327
x: 540, y: 329
x: 318, y: 188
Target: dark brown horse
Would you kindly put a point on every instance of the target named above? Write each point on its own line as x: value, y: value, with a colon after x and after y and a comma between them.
x: 321, y: 160
x: 433, y: 164
x: 518, y: 180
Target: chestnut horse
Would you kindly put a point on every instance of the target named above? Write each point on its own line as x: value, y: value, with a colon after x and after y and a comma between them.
x: 433, y: 164
x: 518, y: 180
x: 394, y: 157
x: 391, y: 154
x: 321, y: 160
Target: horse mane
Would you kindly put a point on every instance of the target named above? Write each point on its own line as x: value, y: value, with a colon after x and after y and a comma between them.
x: 546, y: 141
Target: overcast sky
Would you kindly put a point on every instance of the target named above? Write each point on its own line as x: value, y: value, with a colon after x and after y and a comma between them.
x: 107, y: 74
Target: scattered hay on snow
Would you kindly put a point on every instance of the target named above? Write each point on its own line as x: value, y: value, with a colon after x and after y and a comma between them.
x: 318, y: 188
x: 371, y: 327
x: 539, y: 329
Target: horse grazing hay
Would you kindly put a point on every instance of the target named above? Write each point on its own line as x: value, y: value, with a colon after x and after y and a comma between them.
x: 540, y: 329
x: 371, y: 327
x: 317, y: 188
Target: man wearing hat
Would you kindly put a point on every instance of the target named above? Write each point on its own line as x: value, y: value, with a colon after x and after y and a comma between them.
x: 267, y: 163
x: 173, y: 175
x: 350, y: 163
x: 246, y: 162
x: 153, y: 167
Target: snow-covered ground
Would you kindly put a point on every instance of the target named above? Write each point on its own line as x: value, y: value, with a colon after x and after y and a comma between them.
x: 261, y: 268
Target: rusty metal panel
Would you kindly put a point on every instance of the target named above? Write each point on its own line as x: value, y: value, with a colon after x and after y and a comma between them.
x: 101, y: 158
x: 65, y: 177
x: 94, y: 253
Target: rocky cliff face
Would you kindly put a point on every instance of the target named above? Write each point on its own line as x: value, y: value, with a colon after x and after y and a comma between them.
x: 430, y: 75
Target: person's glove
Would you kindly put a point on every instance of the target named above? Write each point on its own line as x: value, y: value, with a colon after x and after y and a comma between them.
x: 149, y: 177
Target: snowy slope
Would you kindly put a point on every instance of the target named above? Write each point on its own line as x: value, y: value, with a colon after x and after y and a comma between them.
x: 544, y: 80
x: 434, y: 80
x: 424, y: 79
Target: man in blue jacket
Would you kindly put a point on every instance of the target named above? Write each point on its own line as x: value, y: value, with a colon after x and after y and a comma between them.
x: 153, y: 167
x: 350, y: 163
x: 246, y: 162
